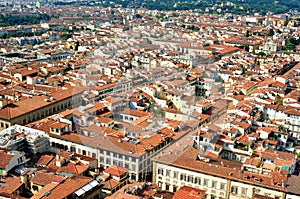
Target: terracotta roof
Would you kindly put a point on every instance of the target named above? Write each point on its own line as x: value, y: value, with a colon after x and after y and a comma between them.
x: 69, y: 167
x: 252, y: 161
x: 116, y: 170
x: 243, y: 139
x: 59, y: 125
x: 135, y: 113
x: 5, y: 159
x: 10, y: 185
x: 45, y: 159
x: 21, y: 107
x: 67, y: 187
x: 187, y: 160
x: 63, y: 153
x: 187, y: 192
x: 42, y: 191
x: 110, y: 184
x: 293, y: 184
x: 43, y: 179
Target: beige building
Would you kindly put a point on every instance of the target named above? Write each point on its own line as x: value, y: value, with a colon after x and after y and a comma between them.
x: 113, y: 147
x: 37, y: 107
x: 219, y: 178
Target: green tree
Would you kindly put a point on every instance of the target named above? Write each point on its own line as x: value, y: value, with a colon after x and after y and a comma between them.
x: 247, y: 33
x: 271, y: 32
x: 4, y: 36
x: 65, y: 36
x: 261, y: 54
x: 289, y: 46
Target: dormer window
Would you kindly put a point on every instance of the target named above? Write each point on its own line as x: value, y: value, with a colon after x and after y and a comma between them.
x: 257, y: 179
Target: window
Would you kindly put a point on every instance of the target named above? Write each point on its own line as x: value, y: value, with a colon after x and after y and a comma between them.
x: 214, y: 184
x: 175, y: 174
x: 205, y: 182
x: 35, y: 188
x: 93, y: 155
x: 234, y: 190
x: 197, y: 181
x: 174, y: 189
x: 83, y: 152
x: 20, y: 160
x: 222, y: 187
x: 115, y: 162
x: 234, y: 157
x: 168, y: 173
x: 244, y: 191
x: 160, y: 171
x: 72, y: 149
x: 190, y: 179
x: 167, y: 187
x: 242, y: 158
x: 182, y: 176
x: 133, y: 167
x: 226, y: 155
x: 101, y: 159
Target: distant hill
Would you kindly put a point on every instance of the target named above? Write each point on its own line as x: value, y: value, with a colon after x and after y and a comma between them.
x: 234, y: 6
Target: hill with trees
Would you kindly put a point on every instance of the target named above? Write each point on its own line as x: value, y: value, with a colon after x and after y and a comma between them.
x: 231, y: 6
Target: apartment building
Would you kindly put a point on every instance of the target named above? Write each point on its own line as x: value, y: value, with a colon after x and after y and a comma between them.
x: 36, y: 107
x: 79, y: 187
x: 10, y: 159
x: 219, y: 178
x: 110, y: 146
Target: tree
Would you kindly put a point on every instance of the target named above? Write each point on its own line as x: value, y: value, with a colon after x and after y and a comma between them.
x: 244, y: 69
x: 138, y: 16
x: 282, y: 128
x: 247, y: 33
x: 65, y: 36
x: 219, y: 79
x: 271, y: 32
x: 261, y: 54
x: 4, y: 36
x: 289, y: 46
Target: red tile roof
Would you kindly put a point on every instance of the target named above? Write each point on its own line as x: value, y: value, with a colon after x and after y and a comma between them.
x: 116, y: 170
x: 5, y: 159
x: 187, y: 192
x: 43, y: 179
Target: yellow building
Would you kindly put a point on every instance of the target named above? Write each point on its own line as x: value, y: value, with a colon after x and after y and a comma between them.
x: 37, y: 107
